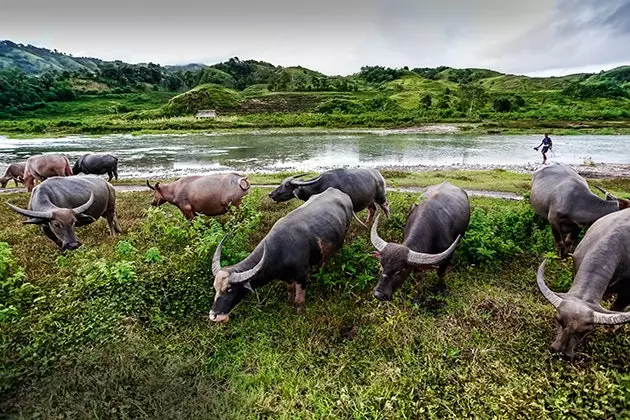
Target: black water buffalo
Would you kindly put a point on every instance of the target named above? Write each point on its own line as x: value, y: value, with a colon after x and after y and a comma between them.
x: 434, y: 228
x: 562, y: 196
x: 304, y: 238
x: 364, y: 186
x: 210, y: 195
x: 601, y: 266
x: 14, y: 172
x: 60, y: 204
x: 40, y: 167
x: 97, y: 164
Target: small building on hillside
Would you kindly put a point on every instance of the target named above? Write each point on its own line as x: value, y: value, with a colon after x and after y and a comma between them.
x: 206, y: 113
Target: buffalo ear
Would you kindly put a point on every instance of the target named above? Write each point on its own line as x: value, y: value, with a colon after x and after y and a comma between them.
x: 84, y: 218
x: 296, y: 192
x: 249, y: 287
x: 34, y: 221
x: 376, y: 255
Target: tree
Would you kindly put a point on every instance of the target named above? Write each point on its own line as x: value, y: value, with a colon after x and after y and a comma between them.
x: 471, y: 97
x: 502, y: 104
x: 426, y: 101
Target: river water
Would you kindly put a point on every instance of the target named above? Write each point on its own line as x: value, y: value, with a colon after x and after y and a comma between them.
x: 175, y: 155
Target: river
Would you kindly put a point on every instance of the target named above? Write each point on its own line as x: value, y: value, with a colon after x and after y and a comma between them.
x: 175, y: 155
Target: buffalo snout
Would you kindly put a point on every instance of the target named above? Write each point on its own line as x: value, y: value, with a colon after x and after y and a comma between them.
x: 215, y: 317
x: 382, y: 296
x: 71, y: 246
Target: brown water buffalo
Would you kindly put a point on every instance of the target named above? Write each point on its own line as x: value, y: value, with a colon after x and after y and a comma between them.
x: 210, y: 195
x: 40, y: 167
x: 59, y: 204
x: 14, y: 172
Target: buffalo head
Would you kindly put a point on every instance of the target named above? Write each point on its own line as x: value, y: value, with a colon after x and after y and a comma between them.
x: 289, y: 187
x: 59, y: 223
x: 575, y: 317
x: 230, y: 287
x: 398, y: 261
x: 158, y: 198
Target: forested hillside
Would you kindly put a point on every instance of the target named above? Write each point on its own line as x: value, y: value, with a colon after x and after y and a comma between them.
x: 47, y: 91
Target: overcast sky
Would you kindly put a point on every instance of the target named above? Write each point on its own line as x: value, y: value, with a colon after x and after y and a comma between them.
x: 538, y: 37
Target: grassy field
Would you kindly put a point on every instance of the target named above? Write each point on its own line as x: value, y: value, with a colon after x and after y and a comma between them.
x: 118, y: 329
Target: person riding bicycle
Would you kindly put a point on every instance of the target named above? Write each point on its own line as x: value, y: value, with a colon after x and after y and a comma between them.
x: 547, y: 145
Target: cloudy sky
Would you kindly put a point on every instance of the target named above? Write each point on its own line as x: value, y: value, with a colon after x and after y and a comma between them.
x: 538, y: 37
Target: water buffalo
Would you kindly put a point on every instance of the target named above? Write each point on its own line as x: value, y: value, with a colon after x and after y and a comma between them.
x: 210, y: 195
x: 40, y: 167
x: 97, y: 164
x: 304, y: 238
x: 601, y: 266
x: 364, y: 186
x: 14, y: 172
x: 562, y: 196
x: 434, y: 228
x: 60, y: 204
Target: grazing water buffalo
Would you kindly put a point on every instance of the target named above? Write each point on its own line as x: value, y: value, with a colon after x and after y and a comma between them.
x: 364, y: 186
x: 304, y: 238
x: 60, y: 204
x: 602, y: 266
x: 97, y: 164
x: 210, y: 195
x: 14, y: 172
x: 562, y: 196
x: 41, y: 167
x: 434, y: 228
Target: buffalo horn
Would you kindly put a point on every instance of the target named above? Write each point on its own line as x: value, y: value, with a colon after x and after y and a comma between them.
x: 216, y: 259
x: 378, y: 243
x: 84, y: 207
x: 611, y: 318
x: 608, y: 195
x: 420, y: 258
x: 150, y: 186
x: 32, y: 213
x: 302, y: 183
x: 244, y: 277
x: 554, y: 299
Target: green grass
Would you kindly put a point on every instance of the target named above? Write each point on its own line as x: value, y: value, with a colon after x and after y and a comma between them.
x: 118, y: 328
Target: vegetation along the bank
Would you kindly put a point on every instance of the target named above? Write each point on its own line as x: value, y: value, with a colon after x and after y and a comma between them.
x: 118, y: 328
x: 47, y: 92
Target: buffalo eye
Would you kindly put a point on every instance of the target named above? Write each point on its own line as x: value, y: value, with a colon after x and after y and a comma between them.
x: 57, y: 225
x: 229, y: 290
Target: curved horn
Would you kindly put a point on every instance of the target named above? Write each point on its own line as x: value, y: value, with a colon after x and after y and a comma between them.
x: 553, y: 298
x: 150, y: 186
x: 31, y: 213
x: 216, y: 258
x: 420, y: 258
x: 611, y: 318
x: 299, y: 176
x: 302, y: 183
x: 608, y: 195
x: 85, y: 206
x: 243, y: 277
x: 376, y: 240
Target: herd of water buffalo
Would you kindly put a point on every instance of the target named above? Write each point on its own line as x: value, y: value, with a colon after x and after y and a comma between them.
x: 313, y: 232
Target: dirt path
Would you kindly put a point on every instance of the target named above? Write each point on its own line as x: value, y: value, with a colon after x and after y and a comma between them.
x: 472, y: 193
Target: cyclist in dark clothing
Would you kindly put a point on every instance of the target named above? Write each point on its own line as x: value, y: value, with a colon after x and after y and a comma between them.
x: 547, y: 145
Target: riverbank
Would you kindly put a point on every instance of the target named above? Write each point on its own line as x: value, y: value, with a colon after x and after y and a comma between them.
x: 496, y: 183
x: 38, y: 127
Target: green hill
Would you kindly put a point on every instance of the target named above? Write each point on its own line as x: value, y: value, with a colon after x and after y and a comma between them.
x: 36, y: 60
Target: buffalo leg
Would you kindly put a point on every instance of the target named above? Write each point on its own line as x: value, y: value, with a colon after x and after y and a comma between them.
x: 115, y: 171
x: 418, y: 278
x: 559, y: 242
x: 110, y: 175
x: 187, y: 210
x: 371, y: 212
x: 441, y: 285
x: 46, y: 231
x: 112, y: 222
x: 291, y: 292
x: 572, y: 238
x: 16, y: 182
x: 300, y: 294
